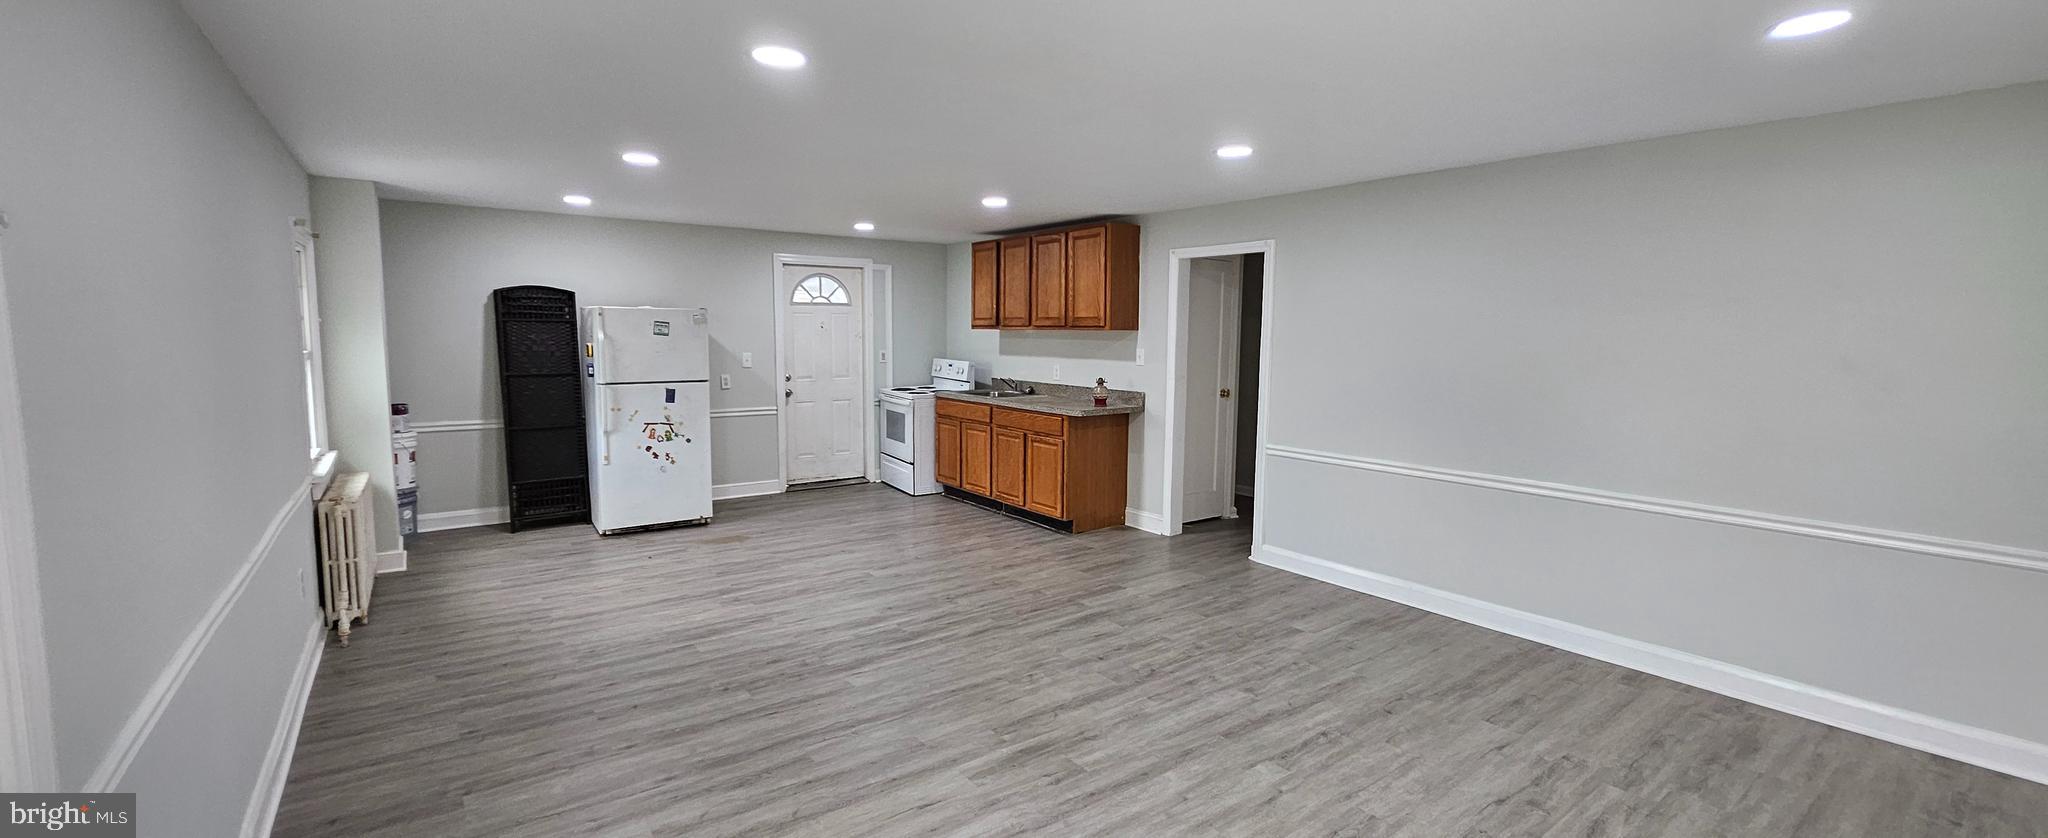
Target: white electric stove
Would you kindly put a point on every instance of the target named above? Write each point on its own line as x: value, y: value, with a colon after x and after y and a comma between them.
x: 910, y: 427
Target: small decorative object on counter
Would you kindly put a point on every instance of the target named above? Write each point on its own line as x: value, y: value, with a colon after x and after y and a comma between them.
x: 1101, y: 393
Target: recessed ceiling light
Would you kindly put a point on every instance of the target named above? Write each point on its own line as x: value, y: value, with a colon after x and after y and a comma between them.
x: 995, y: 202
x: 643, y: 159
x: 1810, y: 24
x: 576, y: 200
x: 781, y: 58
x: 864, y: 226
x: 1233, y: 152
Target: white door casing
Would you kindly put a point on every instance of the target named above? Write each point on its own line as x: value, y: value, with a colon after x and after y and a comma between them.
x: 1172, y: 465
x: 1208, y: 488
x: 825, y: 398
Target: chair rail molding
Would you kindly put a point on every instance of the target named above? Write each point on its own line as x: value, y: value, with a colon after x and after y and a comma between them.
x: 452, y: 425
x: 129, y: 741
x: 1926, y: 545
x: 459, y: 425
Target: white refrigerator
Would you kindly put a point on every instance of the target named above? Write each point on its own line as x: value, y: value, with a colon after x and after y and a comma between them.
x: 647, y: 407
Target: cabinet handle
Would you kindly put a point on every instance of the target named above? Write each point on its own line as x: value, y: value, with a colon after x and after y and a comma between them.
x: 1224, y: 393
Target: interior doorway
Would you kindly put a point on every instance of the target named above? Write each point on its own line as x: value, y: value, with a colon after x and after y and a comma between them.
x: 1219, y: 301
x: 1221, y: 431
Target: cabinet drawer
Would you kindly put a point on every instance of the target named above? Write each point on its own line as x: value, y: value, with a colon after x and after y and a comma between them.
x: 963, y: 410
x: 1037, y: 423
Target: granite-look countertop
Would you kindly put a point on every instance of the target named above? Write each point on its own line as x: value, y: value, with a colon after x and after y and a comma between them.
x: 1059, y: 399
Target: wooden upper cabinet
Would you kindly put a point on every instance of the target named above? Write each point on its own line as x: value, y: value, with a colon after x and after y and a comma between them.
x: 1102, y: 277
x: 1048, y: 280
x: 1079, y: 278
x: 985, y: 285
x: 1013, y: 279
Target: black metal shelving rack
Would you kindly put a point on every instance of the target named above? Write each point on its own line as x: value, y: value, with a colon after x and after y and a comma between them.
x: 540, y: 368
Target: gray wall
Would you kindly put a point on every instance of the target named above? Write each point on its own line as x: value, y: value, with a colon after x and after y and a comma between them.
x: 350, y: 255
x: 155, y: 317
x: 441, y: 263
x: 1836, y: 318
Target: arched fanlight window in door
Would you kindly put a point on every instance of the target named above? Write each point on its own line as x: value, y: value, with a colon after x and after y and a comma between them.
x: 820, y: 290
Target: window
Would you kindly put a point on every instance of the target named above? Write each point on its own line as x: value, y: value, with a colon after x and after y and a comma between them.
x: 309, y: 340
x: 821, y: 290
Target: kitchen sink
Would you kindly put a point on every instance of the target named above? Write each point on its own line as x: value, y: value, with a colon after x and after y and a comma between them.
x: 996, y: 394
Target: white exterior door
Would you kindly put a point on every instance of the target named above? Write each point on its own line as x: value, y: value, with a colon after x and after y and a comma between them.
x: 1210, y: 447
x: 825, y: 398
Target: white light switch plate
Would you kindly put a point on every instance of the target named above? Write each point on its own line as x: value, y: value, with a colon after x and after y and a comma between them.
x: 1141, y: 356
x: 747, y: 360
x: 724, y: 381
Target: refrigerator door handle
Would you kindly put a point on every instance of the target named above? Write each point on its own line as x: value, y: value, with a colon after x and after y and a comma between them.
x: 605, y: 427
x: 597, y: 337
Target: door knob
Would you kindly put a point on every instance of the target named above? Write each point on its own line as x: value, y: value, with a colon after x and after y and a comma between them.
x: 786, y: 392
x: 1223, y: 393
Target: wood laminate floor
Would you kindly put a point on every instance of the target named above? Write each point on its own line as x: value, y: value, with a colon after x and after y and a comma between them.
x: 859, y: 662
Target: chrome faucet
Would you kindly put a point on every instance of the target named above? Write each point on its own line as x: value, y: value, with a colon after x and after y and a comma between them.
x: 1012, y: 384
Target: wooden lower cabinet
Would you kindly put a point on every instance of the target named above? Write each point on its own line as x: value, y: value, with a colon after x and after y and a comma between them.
x: 974, y: 457
x: 948, y: 466
x: 1007, y: 463
x: 1045, y: 475
x: 1070, y: 469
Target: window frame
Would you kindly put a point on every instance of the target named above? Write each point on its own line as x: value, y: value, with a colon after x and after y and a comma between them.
x: 837, y: 288
x: 306, y: 282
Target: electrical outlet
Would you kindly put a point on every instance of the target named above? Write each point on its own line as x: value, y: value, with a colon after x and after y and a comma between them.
x: 1141, y: 356
x: 1055, y: 372
x: 747, y: 360
x: 724, y: 381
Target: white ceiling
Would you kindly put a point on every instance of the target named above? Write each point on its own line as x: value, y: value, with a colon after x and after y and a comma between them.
x: 912, y: 110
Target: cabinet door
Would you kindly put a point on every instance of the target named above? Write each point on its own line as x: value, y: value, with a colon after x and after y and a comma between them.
x: 1045, y: 475
x: 948, y: 466
x: 1007, y: 452
x: 974, y: 450
x: 1049, y: 281
x: 985, y: 285
x: 1013, y: 282
x: 1088, y: 277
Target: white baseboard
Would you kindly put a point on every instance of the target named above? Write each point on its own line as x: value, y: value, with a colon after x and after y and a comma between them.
x: 728, y: 491
x: 1139, y: 519
x: 1977, y: 746
x: 391, y: 561
x: 461, y: 518
x: 128, y: 741
x: 277, y: 764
